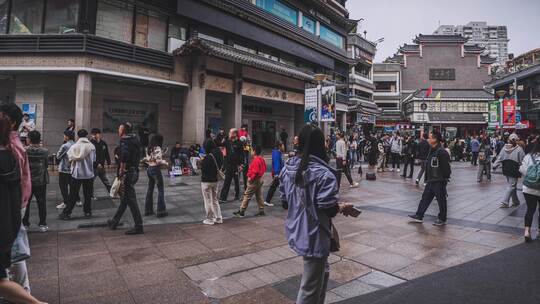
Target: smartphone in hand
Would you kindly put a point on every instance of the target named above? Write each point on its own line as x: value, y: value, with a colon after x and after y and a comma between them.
x: 355, y: 212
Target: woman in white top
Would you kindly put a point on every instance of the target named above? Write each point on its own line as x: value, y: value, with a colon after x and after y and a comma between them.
x: 154, y: 160
x: 531, y: 186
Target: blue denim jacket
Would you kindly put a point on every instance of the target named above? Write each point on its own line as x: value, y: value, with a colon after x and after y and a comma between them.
x: 307, y: 229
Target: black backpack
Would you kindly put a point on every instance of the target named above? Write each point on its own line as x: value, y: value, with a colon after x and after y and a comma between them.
x: 510, y: 168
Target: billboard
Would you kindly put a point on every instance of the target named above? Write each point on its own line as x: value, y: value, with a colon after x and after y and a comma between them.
x: 509, y: 112
x: 328, y: 103
x: 310, y: 105
x: 494, y: 108
x: 137, y: 113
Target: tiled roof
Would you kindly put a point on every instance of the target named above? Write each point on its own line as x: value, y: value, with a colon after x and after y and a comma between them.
x: 440, y: 38
x: 479, y: 94
x: 474, y: 48
x: 519, y: 75
x: 487, y: 59
x: 364, y: 106
x: 410, y: 48
x: 229, y: 53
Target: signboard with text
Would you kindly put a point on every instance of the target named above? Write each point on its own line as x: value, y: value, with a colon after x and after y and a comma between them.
x: 118, y: 111
x: 509, y: 112
x: 310, y: 105
x: 494, y: 120
x: 328, y: 103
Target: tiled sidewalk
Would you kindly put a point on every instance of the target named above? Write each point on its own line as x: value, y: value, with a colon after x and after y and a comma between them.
x: 248, y: 261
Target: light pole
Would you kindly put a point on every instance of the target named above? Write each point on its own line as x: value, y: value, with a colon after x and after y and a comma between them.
x: 319, y: 78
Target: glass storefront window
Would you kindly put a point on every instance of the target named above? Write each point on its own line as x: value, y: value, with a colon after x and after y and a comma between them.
x: 150, y: 30
x: 308, y: 24
x: 329, y: 35
x: 26, y: 17
x: 114, y: 20
x: 279, y: 9
x: 61, y: 16
x: 3, y: 16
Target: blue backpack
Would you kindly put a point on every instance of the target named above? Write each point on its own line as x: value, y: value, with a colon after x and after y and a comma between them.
x: 532, y: 178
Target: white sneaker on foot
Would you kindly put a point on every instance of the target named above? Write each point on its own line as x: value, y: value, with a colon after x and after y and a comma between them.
x: 208, y: 222
x: 61, y: 206
x: 78, y: 203
x: 218, y: 221
x: 354, y: 185
x: 43, y: 228
x: 398, y: 170
x: 268, y: 204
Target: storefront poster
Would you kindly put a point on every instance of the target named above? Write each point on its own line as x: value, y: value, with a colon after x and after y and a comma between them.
x: 328, y: 103
x: 310, y: 108
x: 30, y: 109
x: 509, y: 112
x: 116, y: 112
x: 494, y: 114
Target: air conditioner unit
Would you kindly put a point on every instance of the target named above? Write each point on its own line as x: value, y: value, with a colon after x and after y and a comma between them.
x: 174, y: 44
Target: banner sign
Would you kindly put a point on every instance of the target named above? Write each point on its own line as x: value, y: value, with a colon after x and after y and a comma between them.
x: 310, y: 105
x: 328, y: 103
x: 137, y: 113
x: 30, y: 109
x: 494, y: 108
x: 509, y: 112
x: 365, y: 118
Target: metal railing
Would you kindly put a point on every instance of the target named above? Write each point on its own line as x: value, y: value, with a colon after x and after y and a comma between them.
x: 85, y: 43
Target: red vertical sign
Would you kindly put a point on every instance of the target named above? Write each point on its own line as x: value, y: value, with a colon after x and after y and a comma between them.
x: 509, y: 112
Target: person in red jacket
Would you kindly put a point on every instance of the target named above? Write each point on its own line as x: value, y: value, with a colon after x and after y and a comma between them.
x: 255, y: 173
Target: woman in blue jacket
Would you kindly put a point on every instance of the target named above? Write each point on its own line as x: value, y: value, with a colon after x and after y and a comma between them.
x: 309, y: 185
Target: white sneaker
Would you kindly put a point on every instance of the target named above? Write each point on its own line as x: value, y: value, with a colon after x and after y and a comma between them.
x: 398, y: 170
x: 218, y: 221
x: 392, y: 170
x: 78, y: 203
x: 43, y: 228
x: 208, y: 222
x: 354, y: 185
x: 61, y: 206
x: 268, y: 204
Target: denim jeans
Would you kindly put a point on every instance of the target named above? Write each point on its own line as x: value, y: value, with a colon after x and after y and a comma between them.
x: 154, y: 177
x: 129, y: 198
x: 484, y: 166
x: 511, y: 191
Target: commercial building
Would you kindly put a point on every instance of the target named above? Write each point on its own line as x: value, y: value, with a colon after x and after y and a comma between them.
x: 363, y: 108
x: 179, y: 67
x: 494, y: 38
x: 457, y: 73
x: 387, y: 95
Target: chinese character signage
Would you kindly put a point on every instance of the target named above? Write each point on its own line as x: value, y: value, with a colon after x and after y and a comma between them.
x: 280, y: 9
x: 310, y: 108
x: 509, y: 112
x: 442, y: 74
x: 118, y: 111
x: 494, y: 114
x: 328, y: 103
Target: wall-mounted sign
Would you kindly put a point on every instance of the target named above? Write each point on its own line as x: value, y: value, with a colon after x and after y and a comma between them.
x: 30, y: 109
x: 310, y: 105
x: 328, y: 103
x: 365, y: 118
x: 494, y: 120
x: 116, y: 112
x: 442, y: 74
x: 264, y: 92
x: 509, y: 112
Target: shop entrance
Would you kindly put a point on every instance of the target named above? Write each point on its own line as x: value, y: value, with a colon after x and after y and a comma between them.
x: 264, y: 133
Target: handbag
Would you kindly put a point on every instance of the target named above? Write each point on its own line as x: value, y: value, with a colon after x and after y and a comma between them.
x: 220, y: 174
x: 20, y: 251
x: 115, y: 188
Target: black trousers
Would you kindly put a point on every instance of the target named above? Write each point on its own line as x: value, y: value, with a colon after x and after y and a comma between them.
x: 343, y: 168
x: 474, y: 160
x: 533, y: 202
x: 272, y: 189
x: 64, y: 181
x: 396, y: 160
x: 230, y: 173
x: 102, y: 175
x: 40, y: 193
x: 75, y: 187
x: 408, y: 162
x: 431, y: 191
x: 129, y: 199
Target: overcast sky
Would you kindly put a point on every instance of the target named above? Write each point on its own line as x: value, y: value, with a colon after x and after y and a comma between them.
x: 398, y: 21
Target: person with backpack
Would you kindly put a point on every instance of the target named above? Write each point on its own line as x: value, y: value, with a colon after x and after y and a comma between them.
x: 438, y: 173
x: 484, y: 160
x: 530, y: 168
x: 409, y: 152
x: 396, y: 148
x: 511, y: 158
x: 423, y: 152
x: 38, y: 160
x: 211, y: 163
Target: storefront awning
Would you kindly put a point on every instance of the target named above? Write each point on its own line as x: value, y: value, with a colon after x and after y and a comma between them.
x: 230, y: 53
x: 457, y: 118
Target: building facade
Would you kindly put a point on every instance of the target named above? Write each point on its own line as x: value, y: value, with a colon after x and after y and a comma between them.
x: 178, y: 67
x: 363, y: 110
x: 387, y: 95
x: 494, y: 38
x: 457, y: 74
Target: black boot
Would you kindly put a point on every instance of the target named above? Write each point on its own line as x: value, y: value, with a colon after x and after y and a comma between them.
x: 135, y: 230
x: 112, y: 224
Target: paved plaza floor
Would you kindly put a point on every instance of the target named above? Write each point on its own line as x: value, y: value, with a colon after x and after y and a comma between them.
x: 180, y: 260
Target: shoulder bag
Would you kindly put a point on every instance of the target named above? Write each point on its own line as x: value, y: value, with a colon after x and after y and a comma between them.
x: 220, y: 173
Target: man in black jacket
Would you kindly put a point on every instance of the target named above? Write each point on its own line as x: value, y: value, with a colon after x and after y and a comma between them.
x: 421, y: 155
x: 128, y: 171
x: 437, y: 175
x: 102, y: 158
x: 233, y: 160
x: 409, y: 153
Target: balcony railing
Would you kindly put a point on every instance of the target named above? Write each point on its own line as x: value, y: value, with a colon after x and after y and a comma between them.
x: 83, y: 43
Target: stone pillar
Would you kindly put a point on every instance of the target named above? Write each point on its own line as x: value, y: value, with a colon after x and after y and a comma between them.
x: 231, y: 111
x: 83, y: 102
x: 193, y: 111
x: 344, y: 121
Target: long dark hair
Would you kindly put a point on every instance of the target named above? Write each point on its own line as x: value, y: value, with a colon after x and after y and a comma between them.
x: 536, y: 147
x: 310, y: 142
x: 5, y: 130
x: 155, y: 141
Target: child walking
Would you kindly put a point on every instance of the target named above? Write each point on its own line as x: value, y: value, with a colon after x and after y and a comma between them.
x: 255, y: 173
